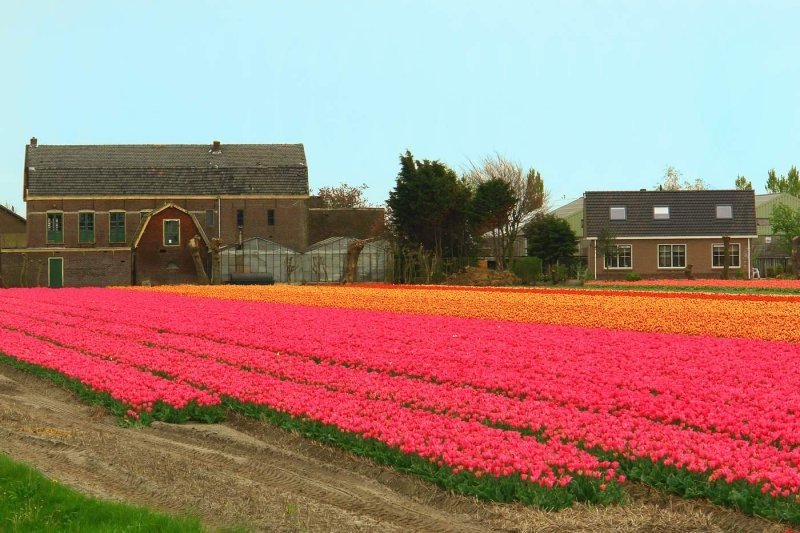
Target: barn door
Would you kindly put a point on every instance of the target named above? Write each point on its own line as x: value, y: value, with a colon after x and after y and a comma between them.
x: 55, y: 272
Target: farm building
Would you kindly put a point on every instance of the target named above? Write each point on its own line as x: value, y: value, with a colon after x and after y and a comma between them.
x: 667, y: 234
x: 322, y: 262
x: 12, y: 229
x: 92, y: 210
x: 771, y: 252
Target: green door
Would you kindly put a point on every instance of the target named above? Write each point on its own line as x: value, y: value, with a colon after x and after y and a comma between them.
x: 55, y: 272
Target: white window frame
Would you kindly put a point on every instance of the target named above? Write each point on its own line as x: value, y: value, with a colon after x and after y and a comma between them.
x: 662, y: 215
x: 164, y: 231
x: 729, y: 206
x: 671, y: 245
x: 605, y: 263
x: 738, y: 255
x: 611, y: 212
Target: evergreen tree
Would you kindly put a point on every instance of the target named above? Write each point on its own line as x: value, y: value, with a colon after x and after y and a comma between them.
x: 551, y: 239
x: 428, y: 207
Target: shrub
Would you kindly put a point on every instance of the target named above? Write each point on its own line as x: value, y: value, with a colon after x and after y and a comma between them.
x: 528, y: 269
x: 632, y: 276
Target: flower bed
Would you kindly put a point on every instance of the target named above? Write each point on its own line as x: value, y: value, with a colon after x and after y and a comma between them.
x: 768, y: 317
x: 547, y: 409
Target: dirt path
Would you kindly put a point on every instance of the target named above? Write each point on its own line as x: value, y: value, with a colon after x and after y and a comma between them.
x: 247, y: 473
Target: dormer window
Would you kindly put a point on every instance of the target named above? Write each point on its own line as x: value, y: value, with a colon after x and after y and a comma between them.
x: 661, y: 212
x: 618, y: 213
x: 724, y: 211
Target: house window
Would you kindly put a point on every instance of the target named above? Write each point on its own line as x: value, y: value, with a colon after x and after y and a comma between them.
x: 240, y: 218
x: 661, y: 212
x: 671, y: 256
x: 85, y: 227
x: 718, y: 251
x: 172, y: 232
x: 618, y: 213
x: 270, y: 217
x: 619, y: 256
x: 116, y: 226
x: 724, y: 211
x: 209, y: 218
x: 55, y: 228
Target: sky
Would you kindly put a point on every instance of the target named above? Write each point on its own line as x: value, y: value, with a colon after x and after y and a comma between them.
x: 595, y: 95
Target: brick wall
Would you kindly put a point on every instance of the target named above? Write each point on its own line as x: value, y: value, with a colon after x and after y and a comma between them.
x: 644, y: 254
x: 82, y: 268
x: 160, y: 264
x: 289, y: 229
x: 290, y: 226
x: 359, y: 223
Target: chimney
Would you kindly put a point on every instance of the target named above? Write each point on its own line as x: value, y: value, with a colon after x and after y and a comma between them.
x: 34, y: 142
x: 215, y: 149
x: 642, y: 190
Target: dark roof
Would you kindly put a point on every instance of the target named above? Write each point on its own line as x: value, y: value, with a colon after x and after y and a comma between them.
x: 170, y: 169
x: 691, y: 213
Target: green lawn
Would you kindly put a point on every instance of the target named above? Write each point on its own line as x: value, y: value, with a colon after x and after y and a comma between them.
x: 31, y: 502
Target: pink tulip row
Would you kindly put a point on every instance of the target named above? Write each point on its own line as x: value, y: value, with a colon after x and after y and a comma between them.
x: 615, y: 429
x: 462, y: 444
x: 139, y: 389
x: 630, y: 435
x: 649, y: 375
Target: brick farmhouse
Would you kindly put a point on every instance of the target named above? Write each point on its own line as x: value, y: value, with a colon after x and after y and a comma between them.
x: 123, y: 214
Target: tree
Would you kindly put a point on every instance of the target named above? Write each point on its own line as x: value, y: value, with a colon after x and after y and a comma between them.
x: 528, y: 189
x: 428, y: 206
x: 790, y: 183
x: 551, y: 239
x: 785, y: 221
x: 743, y: 184
x: 343, y: 196
x: 491, y: 205
x: 671, y: 181
x: 605, y: 245
x: 726, y: 256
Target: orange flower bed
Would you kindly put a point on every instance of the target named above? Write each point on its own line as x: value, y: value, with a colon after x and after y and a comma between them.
x: 775, y: 318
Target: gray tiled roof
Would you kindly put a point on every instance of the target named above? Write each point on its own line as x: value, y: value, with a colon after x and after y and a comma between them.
x: 691, y: 213
x: 172, y: 169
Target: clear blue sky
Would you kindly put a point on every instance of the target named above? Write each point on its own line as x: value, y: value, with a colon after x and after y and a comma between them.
x: 595, y: 95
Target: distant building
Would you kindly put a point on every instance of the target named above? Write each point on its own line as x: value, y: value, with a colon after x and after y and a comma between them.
x: 572, y: 213
x: 121, y: 214
x: 658, y: 234
x: 12, y: 229
x: 770, y: 250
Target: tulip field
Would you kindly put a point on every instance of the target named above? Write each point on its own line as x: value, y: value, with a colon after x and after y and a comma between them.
x: 544, y: 396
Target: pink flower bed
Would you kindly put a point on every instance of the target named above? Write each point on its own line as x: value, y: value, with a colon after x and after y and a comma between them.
x: 428, y: 385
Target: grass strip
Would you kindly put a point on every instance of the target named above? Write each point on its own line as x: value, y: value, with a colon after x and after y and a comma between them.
x: 161, y: 410
x: 487, y: 487
x: 689, y: 288
x: 31, y: 502
x: 738, y: 495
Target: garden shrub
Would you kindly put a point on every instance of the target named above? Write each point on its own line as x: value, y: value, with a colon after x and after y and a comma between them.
x: 528, y: 269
